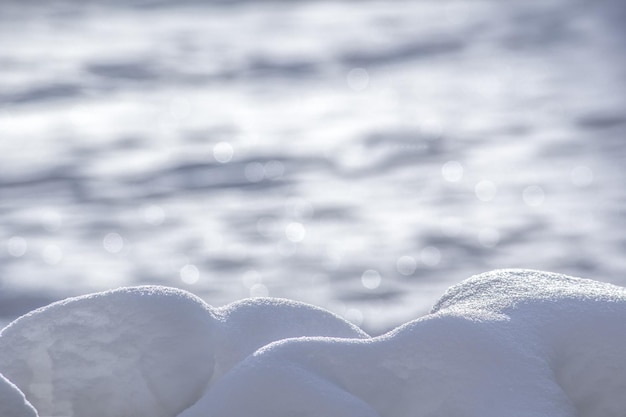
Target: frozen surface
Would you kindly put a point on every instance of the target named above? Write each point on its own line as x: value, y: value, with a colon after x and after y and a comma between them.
x: 141, y: 351
x: 348, y: 154
x: 517, y: 343
x: 12, y: 401
x: 507, y: 343
x: 144, y: 351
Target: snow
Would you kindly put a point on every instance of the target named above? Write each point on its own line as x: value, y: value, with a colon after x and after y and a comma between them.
x: 508, y: 342
x: 144, y: 350
x: 514, y: 343
x: 137, y: 351
x: 12, y: 401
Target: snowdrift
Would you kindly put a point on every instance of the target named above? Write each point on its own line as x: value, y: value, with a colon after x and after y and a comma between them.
x: 506, y: 343
x: 143, y: 351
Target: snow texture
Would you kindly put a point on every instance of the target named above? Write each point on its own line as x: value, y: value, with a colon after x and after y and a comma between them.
x: 144, y: 350
x: 515, y: 343
x: 12, y: 401
x: 508, y: 343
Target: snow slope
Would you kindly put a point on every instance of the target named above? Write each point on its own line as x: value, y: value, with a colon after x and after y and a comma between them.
x: 515, y: 343
x: 143, y: 350
x: 12, y: 401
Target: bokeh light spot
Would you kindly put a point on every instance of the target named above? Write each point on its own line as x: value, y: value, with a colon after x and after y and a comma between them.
x: 452, y: 171
x: 533, y: 196
x: 295, y: 232
x: 223, y: 152
x: 189, y: 274
x: 371, y: 279
x: 406, y: 265
x: 17, y: 246
x: 113, y: 242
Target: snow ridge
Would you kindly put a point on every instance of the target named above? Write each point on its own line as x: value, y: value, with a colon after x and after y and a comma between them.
x: 518, y: 343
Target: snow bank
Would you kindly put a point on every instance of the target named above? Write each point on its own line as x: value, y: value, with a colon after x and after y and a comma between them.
x: 509, y: 343
x: 12, y: 401
x: 139, y: 351
x: 145, y: 350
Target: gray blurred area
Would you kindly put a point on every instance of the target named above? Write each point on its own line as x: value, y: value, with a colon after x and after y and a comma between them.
x: 358, y: 155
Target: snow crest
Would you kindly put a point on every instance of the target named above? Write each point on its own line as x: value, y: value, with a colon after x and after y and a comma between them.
x: 507, y: 343
x: 518, y: 343
x: 12, y: 401
x: 144, y: 350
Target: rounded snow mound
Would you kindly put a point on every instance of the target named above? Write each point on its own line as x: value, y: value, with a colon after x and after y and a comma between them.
x: 513, y: 343
x: 144, y: 351
x: 129, y: 352
x: 12, y: 401
x: 509, y: 343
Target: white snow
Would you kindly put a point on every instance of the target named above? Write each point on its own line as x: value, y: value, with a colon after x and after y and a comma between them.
x: 138, y: 351
x: 507, y: 343
x: 143, y: 350
x: 12, y: 401
x: 515, y: 343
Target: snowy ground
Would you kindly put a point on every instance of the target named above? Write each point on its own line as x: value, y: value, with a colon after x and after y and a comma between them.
x: 353, y: 155
x: 518, y: 343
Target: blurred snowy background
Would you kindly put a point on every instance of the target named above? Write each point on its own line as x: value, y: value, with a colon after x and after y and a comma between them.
x: 358, y: 155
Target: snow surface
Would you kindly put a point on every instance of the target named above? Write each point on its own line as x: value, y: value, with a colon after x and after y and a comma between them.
x: 144, y: 350
x: 12, y: 401
x: 506, y: 343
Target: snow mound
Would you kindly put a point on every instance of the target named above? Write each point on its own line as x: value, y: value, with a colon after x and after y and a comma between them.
x: 509, y: 343
x: 129, y: 352
x: 513, y: 343
x: 144, y: 350
x: 12, y: 401
x: 247, y: 325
